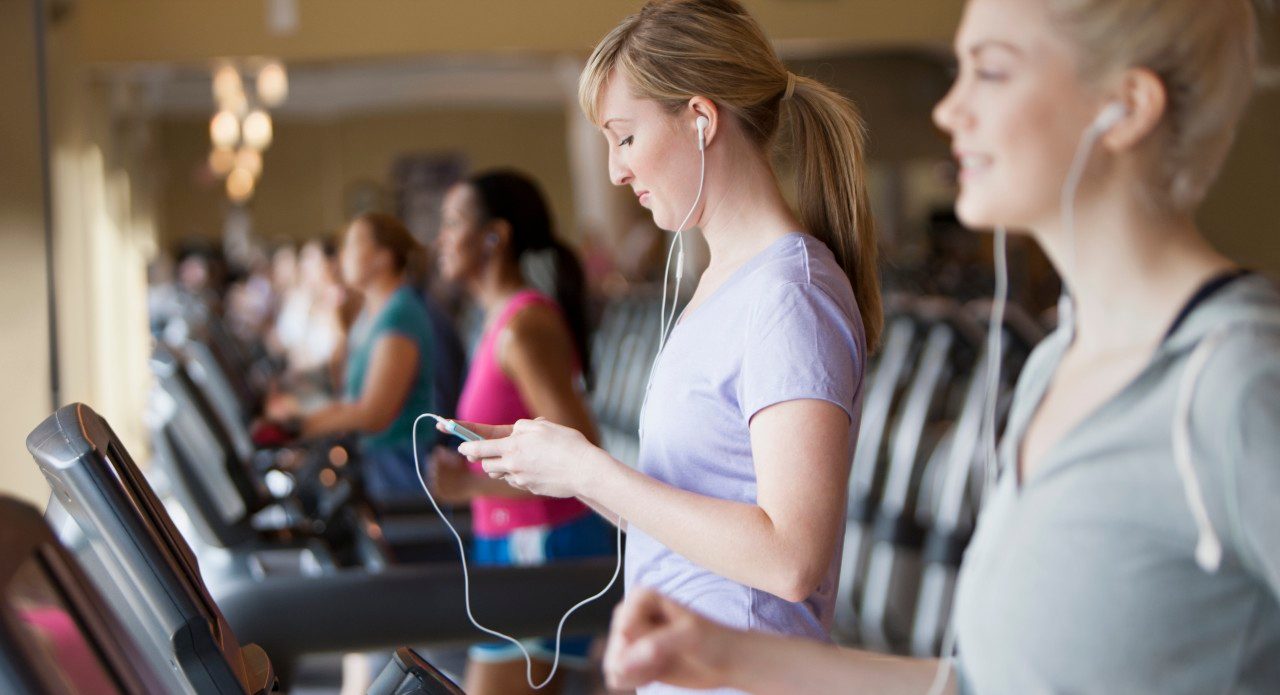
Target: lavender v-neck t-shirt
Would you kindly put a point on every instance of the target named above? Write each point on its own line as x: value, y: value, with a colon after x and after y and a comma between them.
x: 784, y: 327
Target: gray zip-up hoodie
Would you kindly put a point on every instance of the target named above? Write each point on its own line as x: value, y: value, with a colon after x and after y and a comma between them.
x: 1083, y: 579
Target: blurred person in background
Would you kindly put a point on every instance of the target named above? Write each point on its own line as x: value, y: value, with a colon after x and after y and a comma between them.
x: 388, y: 374
x: 530, y: 363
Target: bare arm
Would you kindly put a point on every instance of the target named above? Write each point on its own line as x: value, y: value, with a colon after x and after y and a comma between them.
x: 654, y: 638
x: 783, y: 544
x: 392, y: 368
x: 537, y: 352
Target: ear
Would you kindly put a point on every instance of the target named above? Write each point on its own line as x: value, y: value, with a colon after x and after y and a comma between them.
x: 499, y: 229
x: 1144, y: 95
x: 702, y: 106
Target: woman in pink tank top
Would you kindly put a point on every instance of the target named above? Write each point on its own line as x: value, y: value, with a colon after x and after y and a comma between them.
x: 529, y: 363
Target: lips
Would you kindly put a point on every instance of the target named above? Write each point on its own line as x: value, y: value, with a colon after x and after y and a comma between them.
x: 643, y: 196
x: 971, y: 163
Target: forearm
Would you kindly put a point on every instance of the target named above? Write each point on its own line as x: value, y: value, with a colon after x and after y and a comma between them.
x: 604, y: 512
x: 765, y: 664
x: 335, y: 418
x: 736, y: 540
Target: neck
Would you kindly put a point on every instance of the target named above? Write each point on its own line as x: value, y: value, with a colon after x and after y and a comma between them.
x: 380, y: 289
x: 1133, y: 270
x: 743, y: 210
x: 495, y: 284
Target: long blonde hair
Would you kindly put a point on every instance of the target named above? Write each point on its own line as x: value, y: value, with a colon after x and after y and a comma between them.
x: 672, y: 50
x: 1205, y: 53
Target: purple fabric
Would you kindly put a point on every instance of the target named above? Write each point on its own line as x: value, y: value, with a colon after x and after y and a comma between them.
x: 784, y: 327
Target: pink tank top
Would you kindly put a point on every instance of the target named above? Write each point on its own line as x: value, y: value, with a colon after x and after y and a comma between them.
x: 489, y: 396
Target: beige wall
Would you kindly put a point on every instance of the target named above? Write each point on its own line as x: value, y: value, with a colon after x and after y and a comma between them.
x: 1242, y: 213
x: 201, y: 30
x: 24, y: 342
x: 311, y: 163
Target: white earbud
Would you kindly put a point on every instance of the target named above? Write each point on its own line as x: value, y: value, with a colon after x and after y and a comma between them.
x: 702, y: 124
x: 1109, y: 117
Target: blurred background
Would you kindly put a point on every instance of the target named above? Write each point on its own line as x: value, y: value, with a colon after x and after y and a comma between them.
x: 180, y: 171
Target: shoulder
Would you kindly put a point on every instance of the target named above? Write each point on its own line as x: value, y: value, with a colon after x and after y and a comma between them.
x: 801, y: 271
x: 538, y: 319
x: 1240, y: 334
x: 404, y: 310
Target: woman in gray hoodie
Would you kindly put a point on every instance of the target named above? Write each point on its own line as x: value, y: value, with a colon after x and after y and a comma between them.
x: 1132, y: 541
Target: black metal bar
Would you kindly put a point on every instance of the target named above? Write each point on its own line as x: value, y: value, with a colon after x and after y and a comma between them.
x: 46, y: 185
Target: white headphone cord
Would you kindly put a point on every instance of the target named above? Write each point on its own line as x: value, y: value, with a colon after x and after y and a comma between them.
x: 1069, y: 191
x: 665, y: 323
x: 668, y: 321
x: 995, y: 352
x: 466, y: 580
x: 995, y: 349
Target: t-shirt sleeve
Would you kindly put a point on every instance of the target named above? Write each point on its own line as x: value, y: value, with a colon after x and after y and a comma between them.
x: 404, y: 319
x: 1254, y: 469
x: 801, y: 345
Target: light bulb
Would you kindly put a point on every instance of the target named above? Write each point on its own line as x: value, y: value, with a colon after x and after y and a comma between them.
x: 221, y: 161
x: 224, y: 130
x: 239, y: 185
x: 257, y: 130
x: 250, y: 160
x: 227, y: 84
x: 273, y: 84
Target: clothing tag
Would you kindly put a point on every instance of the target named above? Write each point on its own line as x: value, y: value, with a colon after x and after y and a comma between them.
x: 528, y: 546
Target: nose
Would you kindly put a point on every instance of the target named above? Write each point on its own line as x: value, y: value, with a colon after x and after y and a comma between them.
x: 949, y: 114
x: 619, y: 173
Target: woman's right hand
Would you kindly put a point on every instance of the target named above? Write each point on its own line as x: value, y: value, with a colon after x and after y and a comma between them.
x: 653, y: 638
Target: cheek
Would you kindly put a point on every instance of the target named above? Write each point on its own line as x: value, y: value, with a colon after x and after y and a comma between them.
x: 1032, y: 145
x: 671, y: 174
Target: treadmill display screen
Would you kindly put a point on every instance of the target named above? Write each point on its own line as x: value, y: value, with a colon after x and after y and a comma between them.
x: 55, y: 633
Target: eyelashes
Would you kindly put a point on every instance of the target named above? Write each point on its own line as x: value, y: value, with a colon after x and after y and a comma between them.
x: 626, y: 141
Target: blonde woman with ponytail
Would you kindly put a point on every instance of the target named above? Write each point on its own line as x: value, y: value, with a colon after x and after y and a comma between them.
x: 737, y: 505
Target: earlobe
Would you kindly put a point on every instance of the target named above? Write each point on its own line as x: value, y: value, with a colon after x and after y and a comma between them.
x: 705, y: 120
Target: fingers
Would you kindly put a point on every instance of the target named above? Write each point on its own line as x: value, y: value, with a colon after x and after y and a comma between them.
x: 483, y: 449
x: 638, y: 614
x: 501, y: 470
x: 657, y: 656
x: 486, y: 431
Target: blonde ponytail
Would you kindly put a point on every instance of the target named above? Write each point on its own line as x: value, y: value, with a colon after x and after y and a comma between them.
x: 831, y: 187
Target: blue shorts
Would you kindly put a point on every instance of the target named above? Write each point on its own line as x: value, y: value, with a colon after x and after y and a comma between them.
x: 589, y: 536
x: 388, y: 474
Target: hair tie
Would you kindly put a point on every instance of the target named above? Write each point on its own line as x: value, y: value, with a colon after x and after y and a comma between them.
x: 791, y: 86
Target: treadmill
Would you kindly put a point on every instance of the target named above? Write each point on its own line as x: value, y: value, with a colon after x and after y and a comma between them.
x: 125, y: 538
x: 952, y: 340
x: 105, y: 512
x: 57, y: 636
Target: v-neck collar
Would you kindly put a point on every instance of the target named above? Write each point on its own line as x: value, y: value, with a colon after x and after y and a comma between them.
x: 1173, y: 341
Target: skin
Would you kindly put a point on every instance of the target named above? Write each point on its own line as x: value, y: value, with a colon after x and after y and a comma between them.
x: 535, y: 350
x: 784, y: 543
x: 1016, y: 114
x: 369, y: 270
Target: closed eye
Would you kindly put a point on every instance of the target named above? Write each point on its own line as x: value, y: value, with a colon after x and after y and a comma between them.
x: 626, y: 141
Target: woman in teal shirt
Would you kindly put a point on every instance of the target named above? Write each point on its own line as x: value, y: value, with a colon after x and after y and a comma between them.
x: 388, y: 379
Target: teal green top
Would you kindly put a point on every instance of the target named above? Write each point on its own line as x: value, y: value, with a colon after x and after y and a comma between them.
x: 404, y: 314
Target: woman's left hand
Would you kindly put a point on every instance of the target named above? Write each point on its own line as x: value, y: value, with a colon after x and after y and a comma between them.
x: 538, y: 456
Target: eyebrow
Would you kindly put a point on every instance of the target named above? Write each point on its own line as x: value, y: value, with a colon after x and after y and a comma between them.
x: 982, y: 46
x: 611, y: 120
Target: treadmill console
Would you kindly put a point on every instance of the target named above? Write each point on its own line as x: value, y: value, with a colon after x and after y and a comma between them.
x: 410, y: 674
